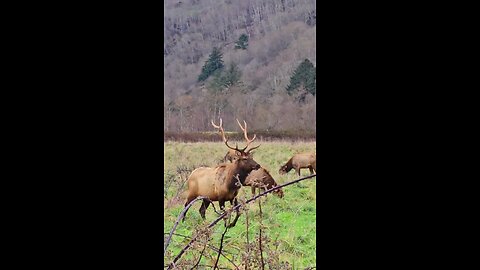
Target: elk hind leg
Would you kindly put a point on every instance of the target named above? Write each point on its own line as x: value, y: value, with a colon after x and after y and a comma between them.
x: 204, y: 207
x: 185, y: 214
x: 311, y: 169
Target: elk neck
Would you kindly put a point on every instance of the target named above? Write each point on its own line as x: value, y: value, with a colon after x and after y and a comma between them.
x: 242, y: 174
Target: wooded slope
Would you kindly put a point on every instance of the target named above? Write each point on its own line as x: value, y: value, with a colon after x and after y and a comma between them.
x: 281, y: 35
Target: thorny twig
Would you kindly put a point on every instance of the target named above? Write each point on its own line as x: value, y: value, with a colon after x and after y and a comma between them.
x: 179, y: 255
x: 210, y: 246
x: 201, y: 254
x: 178, y: 220
x: 248, y: 245
x: 221, y: 242
x: 260, y: 236
x: 183, y: 214
x: 209, y: 266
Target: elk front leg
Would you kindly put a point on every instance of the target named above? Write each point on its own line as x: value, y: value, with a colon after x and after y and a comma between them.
x: 311, y: 169
x: 222, y: 205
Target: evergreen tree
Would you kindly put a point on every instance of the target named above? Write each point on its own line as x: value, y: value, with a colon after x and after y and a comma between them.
x: 242, y: 42
x: 226, y: 78
x: 304, y: 75
x: 213, y: 64
x: 311, y: 81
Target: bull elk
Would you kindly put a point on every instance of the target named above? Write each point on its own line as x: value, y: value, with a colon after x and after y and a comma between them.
x: 231, y: 154
x: 262, y: 179
x: 222, y: 182
x: 300, y: 161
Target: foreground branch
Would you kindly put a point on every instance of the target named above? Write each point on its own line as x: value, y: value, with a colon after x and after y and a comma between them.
x: 212, y: 248
x: 221, y: 244
x: 248, y: 244
x: 201, y: 254
x: 178, y: 220
x: 182, y: 214
x: 170, y: 266
x: 260, y: 236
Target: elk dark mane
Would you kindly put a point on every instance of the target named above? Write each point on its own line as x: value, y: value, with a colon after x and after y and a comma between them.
x: 288, y: 166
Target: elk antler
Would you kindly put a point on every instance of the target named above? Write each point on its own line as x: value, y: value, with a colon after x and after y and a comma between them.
x: 225, y: 140
x: 249, y: 141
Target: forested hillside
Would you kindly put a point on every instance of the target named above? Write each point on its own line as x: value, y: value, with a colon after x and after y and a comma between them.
x: 249, y: 59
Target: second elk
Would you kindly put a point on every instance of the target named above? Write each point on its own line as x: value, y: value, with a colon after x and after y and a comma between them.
x: 262, y: 180
x: 222, y: 182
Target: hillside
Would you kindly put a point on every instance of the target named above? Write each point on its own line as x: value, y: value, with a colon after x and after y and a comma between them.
x: 252, y: 84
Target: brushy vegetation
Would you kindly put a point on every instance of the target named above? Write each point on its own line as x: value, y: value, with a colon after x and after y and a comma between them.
x: 287, y: 224
x: 297, y: 135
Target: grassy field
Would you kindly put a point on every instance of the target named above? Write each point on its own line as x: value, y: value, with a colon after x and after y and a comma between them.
x: 288, y: 223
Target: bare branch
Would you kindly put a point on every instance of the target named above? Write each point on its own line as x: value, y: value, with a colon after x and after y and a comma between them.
x: 210, y: 266
x: 248, y: 244
x: 183, y: 214
x: 221, y: 242
x: 178, y: 220
x: 260, y: 236
x: 210, y: 246
x: 201, y: 254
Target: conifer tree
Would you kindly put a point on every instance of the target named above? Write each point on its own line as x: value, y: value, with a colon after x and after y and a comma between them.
x: 304, y: 75
x: 226, y: 78
x: 242, y: 42
x: 213, y: 64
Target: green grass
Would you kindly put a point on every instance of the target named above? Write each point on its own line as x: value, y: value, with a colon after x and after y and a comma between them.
x: 290, y: 220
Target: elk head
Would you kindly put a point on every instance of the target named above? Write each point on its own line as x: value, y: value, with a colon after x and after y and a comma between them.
x: 283, y: 170
x: 243, y: 157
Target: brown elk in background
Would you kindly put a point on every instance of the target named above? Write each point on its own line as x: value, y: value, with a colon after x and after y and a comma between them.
x: 231, y: 154
x: 300, y: 161
x: 223, y: 182
x: 262, y: 179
